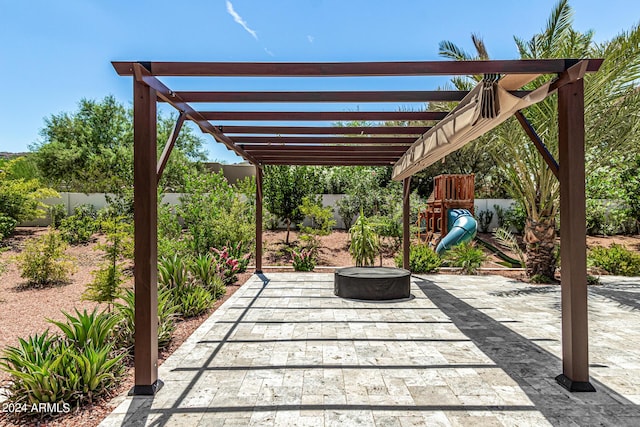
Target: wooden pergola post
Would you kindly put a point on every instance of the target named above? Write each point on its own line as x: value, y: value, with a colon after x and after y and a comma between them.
x: 575, y: 344
x: 258, y: 219
x: 406, y: 215
x: 145, y: 205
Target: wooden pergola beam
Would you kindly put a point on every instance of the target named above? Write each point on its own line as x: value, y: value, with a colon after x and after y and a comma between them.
x: 322, y: 140
x: 329, y: 96
x: 145, y: 205
x: 326, y: 116
x: 163, y: 92
x: 325, y: 130
x: 406, y: 215
x: 573, y: 232
x: 329, y: 162
x: 538, y: 143
x: 164, y: 157
x: 314, y: 149
x: 334, y: 158
x: 259, y: 200
x: 337, y: 69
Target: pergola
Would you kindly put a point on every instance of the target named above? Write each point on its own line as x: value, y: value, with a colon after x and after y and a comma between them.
x: 407, y: 148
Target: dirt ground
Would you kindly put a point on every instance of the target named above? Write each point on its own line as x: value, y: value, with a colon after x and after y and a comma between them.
x: 24, y: 312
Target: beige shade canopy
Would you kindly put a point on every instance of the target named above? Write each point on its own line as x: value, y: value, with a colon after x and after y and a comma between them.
x: 485, y: 107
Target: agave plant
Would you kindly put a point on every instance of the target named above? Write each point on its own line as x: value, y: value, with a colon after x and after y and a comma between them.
x: 87, y: 329
x: 124, y: 330
x: 365, y: 243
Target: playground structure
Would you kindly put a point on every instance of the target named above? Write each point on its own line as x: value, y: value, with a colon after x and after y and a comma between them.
x: 448, y: 218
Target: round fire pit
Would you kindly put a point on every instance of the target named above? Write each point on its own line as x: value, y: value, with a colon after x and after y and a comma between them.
x: 372, y: 283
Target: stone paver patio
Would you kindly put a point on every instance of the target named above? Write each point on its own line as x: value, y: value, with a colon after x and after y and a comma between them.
x: 464, y: 351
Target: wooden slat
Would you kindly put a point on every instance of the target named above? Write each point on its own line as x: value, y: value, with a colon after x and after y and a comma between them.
x: 325, y: 130
x: 163, y: 92
x: 345, y: 156
x: 272, y: 149
x: 329, y: 162
x: 322, y: 69
x: 322, y: 140
x: 332, y: 116
x: 325, y: 96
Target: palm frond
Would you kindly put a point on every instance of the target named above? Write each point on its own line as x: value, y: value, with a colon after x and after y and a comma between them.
x: 448, y: 49
x: 481, y: 49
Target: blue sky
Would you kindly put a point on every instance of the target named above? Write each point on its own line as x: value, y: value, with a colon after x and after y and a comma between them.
x: 52, y: 54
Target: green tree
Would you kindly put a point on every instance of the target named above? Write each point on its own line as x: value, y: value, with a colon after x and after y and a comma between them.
x: 284, y: 188
x: 611, y: 96
x: 20, y: 199
x: 118, y: 246
x: 91, y: 149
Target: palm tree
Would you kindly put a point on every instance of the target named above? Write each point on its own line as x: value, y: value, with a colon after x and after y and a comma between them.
x: 612, y: 102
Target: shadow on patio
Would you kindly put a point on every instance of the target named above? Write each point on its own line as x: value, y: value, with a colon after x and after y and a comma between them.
x: 285, y: 351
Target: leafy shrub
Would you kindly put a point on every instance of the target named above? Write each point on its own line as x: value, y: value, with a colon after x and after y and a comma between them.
x: 422, y: 259
x: 7, y: 225
x: 348, y: 208
x: 168, y: 224
x: 227, y: 266
x: 484, y: 219
x: 76, y: 367
x: 209, y: 208
x: 107, y: 280
x: 79, y: 227
x: 269, y: 220
x: 500, y: 213
x: 541, y: 279
x: 466, y: 256
x: 515, y: 217
x: 615, y: 260
x: 303, y: 260
x: 322, y: 221
x: 389, y: 230
x: 20, y: 198
x: 57, y: 213
x: 593, y: 280
x: 241, y: 252
x: 192, y: 300
x: 124, y: 330
x: 365, y: 243
x: 43, y: 260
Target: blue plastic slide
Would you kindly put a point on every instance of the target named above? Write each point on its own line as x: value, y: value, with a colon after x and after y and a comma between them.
x: 462, y: 227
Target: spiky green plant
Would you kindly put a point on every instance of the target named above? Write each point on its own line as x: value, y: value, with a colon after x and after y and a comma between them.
x: 125, y: 329
x: 509, y: 241
x: 365, y: 243
x: 87, y: 329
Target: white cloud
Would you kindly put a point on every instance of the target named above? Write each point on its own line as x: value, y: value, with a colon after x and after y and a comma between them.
x: 268, y: 52
x: 311, y: 39
x: 239, y: 20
